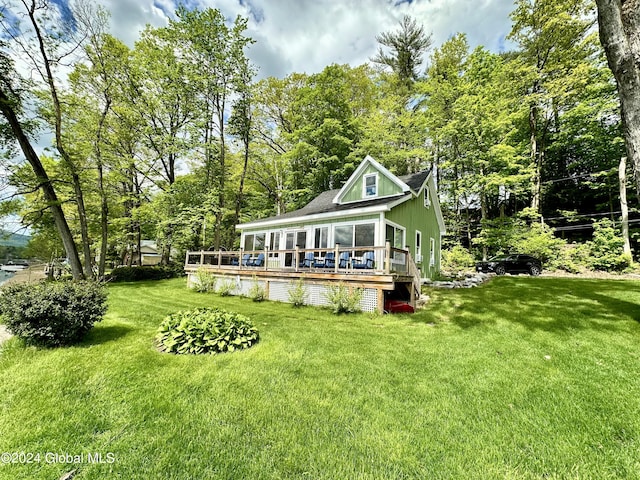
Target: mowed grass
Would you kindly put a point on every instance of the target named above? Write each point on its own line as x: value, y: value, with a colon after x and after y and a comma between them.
x: 521, y: 378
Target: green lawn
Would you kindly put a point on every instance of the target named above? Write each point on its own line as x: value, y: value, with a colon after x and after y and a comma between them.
x: 521, y: 378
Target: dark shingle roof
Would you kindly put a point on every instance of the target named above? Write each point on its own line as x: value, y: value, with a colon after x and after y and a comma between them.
x: 323, y: 203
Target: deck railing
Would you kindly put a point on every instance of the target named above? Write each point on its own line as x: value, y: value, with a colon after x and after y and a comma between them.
x: 338, y: 259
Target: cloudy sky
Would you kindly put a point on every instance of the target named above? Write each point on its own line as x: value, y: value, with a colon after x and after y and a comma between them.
x: 307, y: 35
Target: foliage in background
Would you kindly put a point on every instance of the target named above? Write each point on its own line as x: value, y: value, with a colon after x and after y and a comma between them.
x: 147, y: 272
x: 205, y: 330
x: 52, y: 314
x: 343, y: 299
x: 297, y: 292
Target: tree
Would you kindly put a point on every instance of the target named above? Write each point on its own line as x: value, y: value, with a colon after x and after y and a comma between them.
x: 553, y: 37
x: 619, y: 22
x: 48, y: 37
x: 406, y: 49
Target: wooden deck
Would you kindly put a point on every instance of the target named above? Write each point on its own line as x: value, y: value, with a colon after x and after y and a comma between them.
x: 392, y: 269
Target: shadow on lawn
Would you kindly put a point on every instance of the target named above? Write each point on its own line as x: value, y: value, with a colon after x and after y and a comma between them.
x: 105, y: 334
x: 556, y: 305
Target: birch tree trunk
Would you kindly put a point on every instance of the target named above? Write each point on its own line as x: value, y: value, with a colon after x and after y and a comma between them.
x: 622, y: 175
x: 619, y: 22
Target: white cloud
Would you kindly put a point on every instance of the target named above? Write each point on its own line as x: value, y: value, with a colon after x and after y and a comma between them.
x: 307, y: 35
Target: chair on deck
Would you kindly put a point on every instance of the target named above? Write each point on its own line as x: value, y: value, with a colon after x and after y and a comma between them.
x: 234, y: 261
x: 343, y: 260
x: 308, y: 260
x: 367, y: 261
x: 317, y: 263
x: 246, y: 260
x: 259, y: 261
x: 330, y: 260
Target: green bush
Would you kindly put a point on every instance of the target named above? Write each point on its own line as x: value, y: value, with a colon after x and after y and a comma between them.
x: 343, y: 300
x: 204, y: 281
x: 205, y: 330
x: 297, y: 293
x: 155, y: 272
x: 256, y: 292
x: 456, y: 261
x: 606, y: 248
x: 226, y: 287
x: 52, y: 314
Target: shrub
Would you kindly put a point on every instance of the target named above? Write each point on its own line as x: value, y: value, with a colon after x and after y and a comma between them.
x: 606, y: 248
x: 226, y: 288
x: 52, y: 314
x: 297, y: 293
x: 343, y: 300
x: 456, y: 261
x: 256, y: 292
x: 205, y: 330
x: 204, y: 281
x: 155, y: 272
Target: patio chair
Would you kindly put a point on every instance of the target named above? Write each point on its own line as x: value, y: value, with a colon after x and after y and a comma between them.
x: 246, y: 260
x: 318, y: 263
x: 234, y: 261
x: 259, y: 261
x: 330, y: 260
x: 367, y: 261
x: 343, y: 260
x: 308, y: 260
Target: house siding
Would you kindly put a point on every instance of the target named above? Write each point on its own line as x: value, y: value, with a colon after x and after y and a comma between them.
x: 413, y: 215
x: 386, y: 187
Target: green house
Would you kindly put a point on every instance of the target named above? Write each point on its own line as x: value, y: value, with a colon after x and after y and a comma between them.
x: 374, y: 208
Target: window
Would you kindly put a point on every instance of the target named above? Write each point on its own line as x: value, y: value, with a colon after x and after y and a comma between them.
x: 418, y: 246
x: 360, y: 235
x: 365, y: 235
x: 321, y: 237
x: 395, y: 236
x: 254, y: 241
x: 370, y: 185
x: 274, y: 241
x: 343, y: 234
x: 432, y: 252
x: 427, y: 198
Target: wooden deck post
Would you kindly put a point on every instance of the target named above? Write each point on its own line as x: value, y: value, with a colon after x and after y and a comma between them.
x: 266, y: 258
x: 336, y: 254
x: 380, y: 300
x: 240, y: 258
x: 201, y: 257
x: 387, y: 257
x: 296, y: 257
x: 219, y: 257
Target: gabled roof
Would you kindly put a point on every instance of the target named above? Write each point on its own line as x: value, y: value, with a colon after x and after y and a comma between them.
x: 368, y: 160
x: 323, y: 204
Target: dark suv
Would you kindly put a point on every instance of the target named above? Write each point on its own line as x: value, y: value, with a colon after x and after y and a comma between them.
x: 511, y: 264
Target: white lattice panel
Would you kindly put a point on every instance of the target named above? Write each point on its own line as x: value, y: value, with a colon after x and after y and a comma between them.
x: 369, y: 302
x: 279, y: 291
x: 316, y: 295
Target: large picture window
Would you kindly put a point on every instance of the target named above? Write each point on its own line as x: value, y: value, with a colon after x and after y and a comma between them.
x: 395, y: 236
x: 359, y: 235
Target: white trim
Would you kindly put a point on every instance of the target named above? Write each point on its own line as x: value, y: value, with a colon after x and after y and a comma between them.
x: 368, y: 160
x: 432, y: 253
x: 321, y: 216
x: 435, y: 201
x: 364, y: 185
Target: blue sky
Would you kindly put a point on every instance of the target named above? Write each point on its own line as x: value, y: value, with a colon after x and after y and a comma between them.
x: 307, y: 35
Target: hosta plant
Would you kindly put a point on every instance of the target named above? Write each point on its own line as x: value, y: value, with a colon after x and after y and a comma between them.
x: 205, y: 330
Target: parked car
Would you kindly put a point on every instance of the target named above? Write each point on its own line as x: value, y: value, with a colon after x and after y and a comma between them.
x: 502, y: 264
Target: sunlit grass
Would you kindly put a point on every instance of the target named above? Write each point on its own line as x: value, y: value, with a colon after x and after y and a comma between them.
x: 521, y: 378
